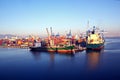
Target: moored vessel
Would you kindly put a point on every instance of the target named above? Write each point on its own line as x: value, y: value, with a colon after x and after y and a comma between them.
x: 95, y: 39
x: 66, y: 49
x: 60, y: 44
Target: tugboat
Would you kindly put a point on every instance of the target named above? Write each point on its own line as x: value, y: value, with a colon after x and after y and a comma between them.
x: 95, y: 39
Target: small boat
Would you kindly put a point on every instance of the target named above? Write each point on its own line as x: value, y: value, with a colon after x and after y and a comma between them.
x: 95, y: 39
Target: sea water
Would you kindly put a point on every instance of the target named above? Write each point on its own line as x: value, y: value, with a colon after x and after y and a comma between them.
x: 22, y: 64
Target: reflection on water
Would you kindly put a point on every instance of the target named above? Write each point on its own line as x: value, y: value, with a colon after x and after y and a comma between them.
x: 36, y: 54
x: 21, y: 64
x: 93, y: 59
x: 50, y: 58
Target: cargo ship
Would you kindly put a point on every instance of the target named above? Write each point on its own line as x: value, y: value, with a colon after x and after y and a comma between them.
x: 56, y: 44
x: 66, y: 49
x: 95, y: 39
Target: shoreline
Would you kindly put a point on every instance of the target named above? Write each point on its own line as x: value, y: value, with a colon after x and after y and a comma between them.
x: 20, y: 47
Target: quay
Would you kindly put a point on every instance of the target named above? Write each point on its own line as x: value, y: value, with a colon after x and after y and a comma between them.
x: 21, y: 47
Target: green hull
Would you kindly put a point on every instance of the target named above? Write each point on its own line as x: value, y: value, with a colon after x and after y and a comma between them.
x: 95, y: 46
x: 53, y: 49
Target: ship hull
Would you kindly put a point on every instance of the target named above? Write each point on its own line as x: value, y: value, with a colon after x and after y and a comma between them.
x: 42, y: 49
x: 95, y: 46
x: 68, y: 49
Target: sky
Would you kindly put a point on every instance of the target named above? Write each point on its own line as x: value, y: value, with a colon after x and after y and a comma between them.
x: 25, y: 17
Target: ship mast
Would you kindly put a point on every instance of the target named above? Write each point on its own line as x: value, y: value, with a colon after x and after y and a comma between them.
x: 88, y: 24
x: 48, y: 33
x: 51, y: 30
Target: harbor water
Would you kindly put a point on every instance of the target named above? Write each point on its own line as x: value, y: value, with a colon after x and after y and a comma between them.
x: 22, y: 64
